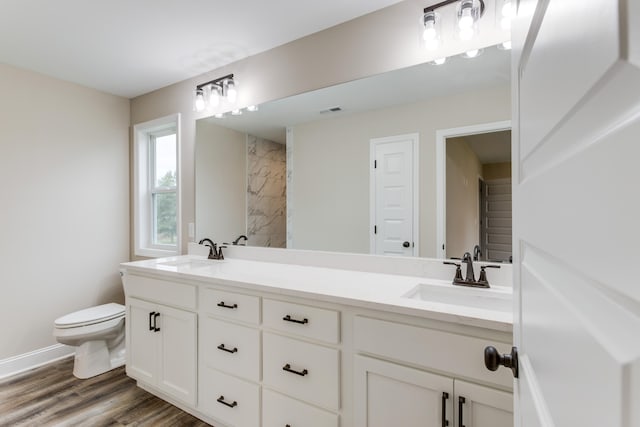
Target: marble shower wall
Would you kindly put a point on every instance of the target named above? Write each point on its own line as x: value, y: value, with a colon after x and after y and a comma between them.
x: 266, y: 193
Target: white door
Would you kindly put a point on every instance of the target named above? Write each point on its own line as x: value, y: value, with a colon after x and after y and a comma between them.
x: 393, y: 195
x: 577, y: 150
x: 142, y: 341
x: 480, y: 406
x: 178, y: 353
x: 387, y: 394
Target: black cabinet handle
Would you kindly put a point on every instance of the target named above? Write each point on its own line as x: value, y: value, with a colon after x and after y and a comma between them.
x: 461, y: 401
x: 445, y: 396
x: 288, y: 318
x: 223, y: 348
x: 151, y: 326
x: 287, y: 368
x: 230, y: 405
x: 155, y: 322
x: 223, y: 305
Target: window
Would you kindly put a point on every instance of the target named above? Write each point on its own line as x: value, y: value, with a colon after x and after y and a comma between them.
x: 156, y: 186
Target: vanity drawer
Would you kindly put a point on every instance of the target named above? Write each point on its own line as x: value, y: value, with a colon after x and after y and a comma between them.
x: 279, y: 411
x: 230, y: 348
x: 307, y: 371
x: 245, y: 308
x: 432, y: 349
x: 231, y: 400
x: 161, y: 291
x: 303, y: 320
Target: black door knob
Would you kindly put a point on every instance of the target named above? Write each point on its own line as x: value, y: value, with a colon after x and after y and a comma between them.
x: 493, y: 360
x: 406, y: 244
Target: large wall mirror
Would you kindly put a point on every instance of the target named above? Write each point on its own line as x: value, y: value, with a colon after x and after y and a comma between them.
x: 298, y: 172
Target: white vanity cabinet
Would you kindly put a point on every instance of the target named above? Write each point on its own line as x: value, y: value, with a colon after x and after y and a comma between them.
x: 161, y: 345
x: 230, y: 355
x: 301, y: 364
x: 388, y: 392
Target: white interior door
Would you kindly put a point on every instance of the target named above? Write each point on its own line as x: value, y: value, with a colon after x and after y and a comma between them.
x: 576, y: 149
x: 393, y: 195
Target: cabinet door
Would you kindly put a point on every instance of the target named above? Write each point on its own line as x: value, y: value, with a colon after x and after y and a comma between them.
x: 177, y: 374
x: 142, y: 341
x: 387, y: 394
x: 478, y: 406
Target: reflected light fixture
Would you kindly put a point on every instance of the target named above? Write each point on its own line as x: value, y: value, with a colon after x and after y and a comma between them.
x: 439, y: 61
x: 252, y: 108
x: 210, y: 94
x: 431, y: 33
x: 474, y: 53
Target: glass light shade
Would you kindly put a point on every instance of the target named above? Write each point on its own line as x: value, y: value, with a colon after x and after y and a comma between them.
x: 473, y: 53
x: 432, y: 32
x: 232, y: 93
x: 214, y: 97
x: 468, y: 13
x: 439, y: 61
x: 236, y: 112
x: 505, y: 11
x: 199, y: 103
x: 252, y: 108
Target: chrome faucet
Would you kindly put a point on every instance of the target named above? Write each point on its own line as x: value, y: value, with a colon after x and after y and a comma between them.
x: 470, y: 279
x: 215, y: 251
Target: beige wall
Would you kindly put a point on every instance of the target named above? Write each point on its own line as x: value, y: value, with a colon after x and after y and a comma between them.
x: 379, y: 42
x: 64, y: 221
x: 463, y: 204
x: 221, y: 170
x: 492, y: 171
x: 331, y: 166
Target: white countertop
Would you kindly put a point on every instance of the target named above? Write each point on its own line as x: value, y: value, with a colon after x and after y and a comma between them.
x: 360, y: 289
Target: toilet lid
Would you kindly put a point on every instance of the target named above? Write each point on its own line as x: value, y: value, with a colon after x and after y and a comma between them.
x: 89, y: 316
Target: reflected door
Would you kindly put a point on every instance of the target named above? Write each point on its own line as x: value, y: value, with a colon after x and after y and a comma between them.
x: 393, y: 195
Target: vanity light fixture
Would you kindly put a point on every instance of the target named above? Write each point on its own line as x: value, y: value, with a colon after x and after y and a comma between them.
x: 468, y: 12
x: 210, y: 94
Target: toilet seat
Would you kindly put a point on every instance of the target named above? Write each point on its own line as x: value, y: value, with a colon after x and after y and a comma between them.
x: 90, y: 316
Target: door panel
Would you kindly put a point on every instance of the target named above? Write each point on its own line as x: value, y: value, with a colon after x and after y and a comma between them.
x: 178, y: 353
x: 393, y: 195
x: 387, y: 394
x: 576, y: 209
x: 142, y: 343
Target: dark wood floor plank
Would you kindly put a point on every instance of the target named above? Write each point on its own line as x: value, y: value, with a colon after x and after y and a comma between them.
x: 52, y: 396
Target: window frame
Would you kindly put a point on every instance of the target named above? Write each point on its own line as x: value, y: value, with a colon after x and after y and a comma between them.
x: 145, y: 186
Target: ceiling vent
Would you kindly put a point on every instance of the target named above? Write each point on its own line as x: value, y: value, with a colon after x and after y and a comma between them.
x: 331, y: 110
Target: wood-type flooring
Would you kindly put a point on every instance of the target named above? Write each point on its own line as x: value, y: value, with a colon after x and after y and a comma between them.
x: 51, y: 396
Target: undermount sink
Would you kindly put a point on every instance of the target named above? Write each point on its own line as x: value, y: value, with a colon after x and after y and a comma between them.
x: 497, y: 299
x: 190, y: 263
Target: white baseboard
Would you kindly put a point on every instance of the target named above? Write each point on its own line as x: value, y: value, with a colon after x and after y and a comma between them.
x: 33, y: 359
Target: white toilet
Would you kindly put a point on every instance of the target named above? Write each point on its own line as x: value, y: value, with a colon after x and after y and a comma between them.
x: 98, y: 334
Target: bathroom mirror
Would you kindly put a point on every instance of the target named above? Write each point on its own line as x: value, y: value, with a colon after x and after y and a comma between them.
x: 296, y: 173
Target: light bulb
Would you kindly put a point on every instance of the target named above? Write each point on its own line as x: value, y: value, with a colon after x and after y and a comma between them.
x: 439, y: 61
x: 507, y: 9
x: 199, y: 103
x: 214, y: 98
x: 232, y: 93
x: 252, y: 108
x: 429, y: 32
x: 236, y: 112
x: 472, y: 53
x: 466, y: 33
x: 466, y: 19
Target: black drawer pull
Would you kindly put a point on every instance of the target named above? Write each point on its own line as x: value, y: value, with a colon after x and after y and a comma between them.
x: 445, y: 396
x: 155, y: 322
x: 288, y: 318
x: 222, y: 304
x: 151, y: 327
x: 223, y: 348
x: 230, y: 405
x: 461, y: 402
x: 287, y: 368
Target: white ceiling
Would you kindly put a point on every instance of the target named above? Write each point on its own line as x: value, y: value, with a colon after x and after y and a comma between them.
x: 131, y: 47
